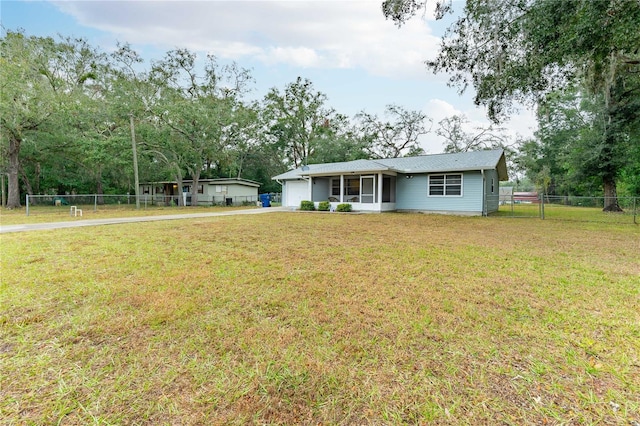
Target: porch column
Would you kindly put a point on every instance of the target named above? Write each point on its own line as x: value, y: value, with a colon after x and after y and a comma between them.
x: 341, y: 188
x: 380, y: 190
x: 310, y: 189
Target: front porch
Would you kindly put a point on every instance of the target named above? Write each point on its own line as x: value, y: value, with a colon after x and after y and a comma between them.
x: 365, y: 192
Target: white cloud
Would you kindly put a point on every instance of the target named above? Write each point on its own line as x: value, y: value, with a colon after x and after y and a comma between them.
x: 323, y: 34
x: 438, y: 109
x: 303, y: 57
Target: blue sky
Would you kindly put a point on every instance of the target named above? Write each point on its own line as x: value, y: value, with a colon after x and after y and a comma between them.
x: 346, y: 48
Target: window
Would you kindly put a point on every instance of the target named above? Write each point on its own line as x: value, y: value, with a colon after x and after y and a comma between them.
x: 492, y: 185
x: 352, y: 186
x: 335, y: 187
x: 389, y: 189
x: 445, y: 185
x: 200, y: 189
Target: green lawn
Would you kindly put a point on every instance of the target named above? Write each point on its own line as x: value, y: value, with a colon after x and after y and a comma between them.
x: 568, y: 213
x: 293, y: 318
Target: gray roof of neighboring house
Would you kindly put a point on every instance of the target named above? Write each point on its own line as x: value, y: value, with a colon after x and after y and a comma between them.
x: 458, y: 162
x: 217, y: 181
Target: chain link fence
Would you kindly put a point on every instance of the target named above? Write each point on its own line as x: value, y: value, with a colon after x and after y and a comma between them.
x: 570, y: 208
x: 75, y: 205
x: 57, y: 204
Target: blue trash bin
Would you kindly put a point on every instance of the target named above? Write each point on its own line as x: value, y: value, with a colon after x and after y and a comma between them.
x: 265, y: 199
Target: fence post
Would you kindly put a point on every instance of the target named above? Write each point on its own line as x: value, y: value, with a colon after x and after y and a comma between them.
x: 95, y: 202
x: 27, y: 204
x: 486, y: 206
x: 541, y: 206
x: 635, y: 209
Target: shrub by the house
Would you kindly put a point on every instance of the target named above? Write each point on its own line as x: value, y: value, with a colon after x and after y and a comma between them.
x: 324, y: 206
x: 307, y: 205
x: 346, y: 207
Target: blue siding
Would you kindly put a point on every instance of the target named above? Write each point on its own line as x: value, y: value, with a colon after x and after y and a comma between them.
x: 320, y: 189
x: 412, y: 195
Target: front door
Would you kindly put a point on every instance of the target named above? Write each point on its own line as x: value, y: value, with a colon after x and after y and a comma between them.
x: 367, y: 189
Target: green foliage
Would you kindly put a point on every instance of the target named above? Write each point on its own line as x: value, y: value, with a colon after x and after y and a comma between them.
x: 516, y: 51
x: 569, y: 150
x: 27, y: 99
x: 201, y: 112
x: 324, y: 206
x: 307, y: 205
x: 344, y: 207
x: 296, y: 120
x: 303, y: 130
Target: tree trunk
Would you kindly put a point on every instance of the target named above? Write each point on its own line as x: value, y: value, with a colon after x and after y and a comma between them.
x: 179, y: 182
x: 240, y: 166
x: 27, y: 186
x: 194, y: 189
x: 610, y: 195
x: 13, y: 196
x: 4, y: 193
x: 38, y: 172
x: 100, y: 189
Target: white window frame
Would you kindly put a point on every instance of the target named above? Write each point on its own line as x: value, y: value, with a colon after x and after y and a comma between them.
x: 373, y: 195
x: 444, y: 185
x: 333, y: 181
x: 346, y: 187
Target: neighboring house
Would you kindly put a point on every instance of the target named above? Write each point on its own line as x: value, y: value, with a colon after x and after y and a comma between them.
x: 461, y: 183
x: 210, y: 192
x: 506, y: 195
x: 526, y: 197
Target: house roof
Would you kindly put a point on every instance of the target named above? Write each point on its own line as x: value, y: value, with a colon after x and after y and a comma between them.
x: 218, y: 181
x: 457, y: 162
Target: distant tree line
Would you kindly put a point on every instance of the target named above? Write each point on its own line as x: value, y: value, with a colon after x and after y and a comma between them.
x: 69, y: 111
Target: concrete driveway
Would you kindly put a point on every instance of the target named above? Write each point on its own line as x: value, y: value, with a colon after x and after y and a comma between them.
x: 115, y: 221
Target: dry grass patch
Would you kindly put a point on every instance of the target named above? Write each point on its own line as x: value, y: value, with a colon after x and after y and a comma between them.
x: 45, y: 214
x: 322, y: 318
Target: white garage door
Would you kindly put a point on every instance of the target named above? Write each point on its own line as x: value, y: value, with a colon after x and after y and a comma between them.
x: 296, y: 191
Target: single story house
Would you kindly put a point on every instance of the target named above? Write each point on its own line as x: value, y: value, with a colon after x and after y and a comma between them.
x: 526, y: 197
x: 460, y: 183
x: 222, y: 191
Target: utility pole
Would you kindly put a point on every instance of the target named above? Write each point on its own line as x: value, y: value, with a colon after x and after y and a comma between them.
x: 135, y: 162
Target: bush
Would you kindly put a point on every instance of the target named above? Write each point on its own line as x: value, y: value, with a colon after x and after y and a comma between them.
x: 307, y: 205
x: 324, y: 206
x: 346, y: 207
